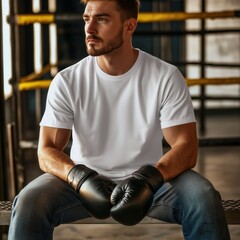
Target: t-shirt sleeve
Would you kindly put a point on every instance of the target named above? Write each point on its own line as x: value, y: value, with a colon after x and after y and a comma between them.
x: 58, y: 112
x: 176, y: 105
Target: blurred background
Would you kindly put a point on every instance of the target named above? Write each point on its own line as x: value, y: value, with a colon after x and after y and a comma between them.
x: 200, y: 37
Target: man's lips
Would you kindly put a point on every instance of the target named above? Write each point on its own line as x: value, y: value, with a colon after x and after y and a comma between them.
x: 92, y: 40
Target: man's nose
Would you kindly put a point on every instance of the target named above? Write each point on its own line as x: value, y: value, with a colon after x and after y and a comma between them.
x: 90, y: 27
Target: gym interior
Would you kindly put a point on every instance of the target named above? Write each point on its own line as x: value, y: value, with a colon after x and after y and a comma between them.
x: 201, y: 37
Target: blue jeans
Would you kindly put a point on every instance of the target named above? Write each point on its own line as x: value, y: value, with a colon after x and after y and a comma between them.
x: 189, y: 200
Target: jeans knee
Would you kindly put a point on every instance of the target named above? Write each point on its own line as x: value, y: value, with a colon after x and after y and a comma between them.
x: 201, y: 197
x: 206, y: 192
x: 35, y: 198
x: 27, y: 201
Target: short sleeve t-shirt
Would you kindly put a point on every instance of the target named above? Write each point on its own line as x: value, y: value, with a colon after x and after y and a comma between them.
x: 117, y: 121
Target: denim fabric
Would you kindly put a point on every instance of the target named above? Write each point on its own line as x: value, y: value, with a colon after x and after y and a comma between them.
x: 189, y: 200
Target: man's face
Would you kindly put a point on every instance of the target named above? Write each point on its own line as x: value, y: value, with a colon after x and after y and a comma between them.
x: 103, y: 27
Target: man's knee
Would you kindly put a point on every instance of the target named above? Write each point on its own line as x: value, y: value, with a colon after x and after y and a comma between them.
x: 36, y: 195
x: 198, y: 187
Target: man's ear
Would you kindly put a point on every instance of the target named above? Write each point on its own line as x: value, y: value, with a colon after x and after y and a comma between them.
x: 131, y: 25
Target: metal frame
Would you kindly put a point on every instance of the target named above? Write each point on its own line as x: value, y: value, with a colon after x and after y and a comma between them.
x: 3, y: 161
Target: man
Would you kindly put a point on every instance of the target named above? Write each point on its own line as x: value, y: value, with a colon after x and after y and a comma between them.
x: 117, y: 104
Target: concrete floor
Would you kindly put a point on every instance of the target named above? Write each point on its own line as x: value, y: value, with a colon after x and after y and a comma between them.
x: 221, y: 165
x: 117, y: 232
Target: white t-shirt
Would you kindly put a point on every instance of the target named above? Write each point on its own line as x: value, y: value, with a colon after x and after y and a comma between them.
x: 117, y: 121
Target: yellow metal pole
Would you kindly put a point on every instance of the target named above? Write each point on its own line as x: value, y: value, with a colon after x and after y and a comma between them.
x: 43, y: 84
x: 144, y: 17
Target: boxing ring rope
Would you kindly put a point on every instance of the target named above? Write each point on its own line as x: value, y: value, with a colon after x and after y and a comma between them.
x: 44, y: 84
x: 33, y: 85
x: 177, y: 16
x: 212, y: 81
x: 144, y: 17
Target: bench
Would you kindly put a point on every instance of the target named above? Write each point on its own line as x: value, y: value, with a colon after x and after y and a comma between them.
x: 231, y: 208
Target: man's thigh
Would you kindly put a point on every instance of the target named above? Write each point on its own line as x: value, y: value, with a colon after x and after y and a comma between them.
x: 53, y: 197
x: 176, y: 197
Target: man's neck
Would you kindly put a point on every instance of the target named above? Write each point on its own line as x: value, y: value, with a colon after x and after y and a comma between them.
x: 118, y: 62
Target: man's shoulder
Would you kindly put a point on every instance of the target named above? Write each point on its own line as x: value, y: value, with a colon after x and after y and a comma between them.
x: 74, y: 74
x: 151, y: 59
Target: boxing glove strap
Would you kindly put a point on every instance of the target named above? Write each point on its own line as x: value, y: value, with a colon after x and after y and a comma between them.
x: 78, y: 175
x: 151, y: 176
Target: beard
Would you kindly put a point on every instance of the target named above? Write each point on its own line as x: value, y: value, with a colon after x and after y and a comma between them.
x: 107, y: 47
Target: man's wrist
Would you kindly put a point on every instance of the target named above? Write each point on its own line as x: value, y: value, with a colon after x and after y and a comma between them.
x: 78, y: 174
x: 151, y: 175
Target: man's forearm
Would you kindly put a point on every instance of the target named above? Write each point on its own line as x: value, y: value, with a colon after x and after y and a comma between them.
x: 54, y: 161
x: 177, y: 160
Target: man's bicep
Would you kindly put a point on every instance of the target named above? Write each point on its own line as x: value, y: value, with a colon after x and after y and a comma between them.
x: 54, y: 137
x: 184, y: 133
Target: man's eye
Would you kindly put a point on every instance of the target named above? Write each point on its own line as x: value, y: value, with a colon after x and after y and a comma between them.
x: 102, y: 20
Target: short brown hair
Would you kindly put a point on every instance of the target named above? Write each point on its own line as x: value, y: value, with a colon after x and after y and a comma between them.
x: 130, y: 8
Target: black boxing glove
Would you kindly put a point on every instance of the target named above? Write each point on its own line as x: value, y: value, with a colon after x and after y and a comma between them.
x: 94, y: 190
x: 132, y: 198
